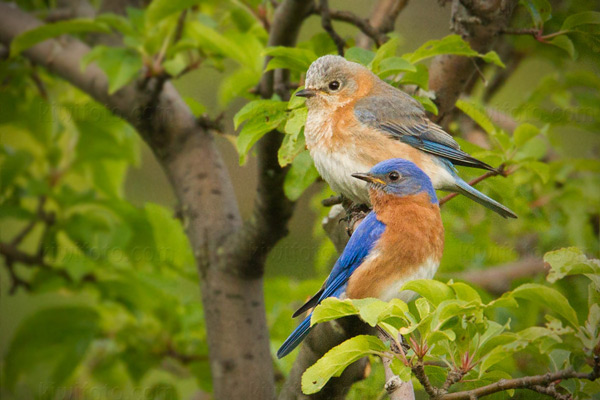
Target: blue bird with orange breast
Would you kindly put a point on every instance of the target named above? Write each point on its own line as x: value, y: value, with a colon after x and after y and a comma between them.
x: 356, y: 120
x: 400, y: 240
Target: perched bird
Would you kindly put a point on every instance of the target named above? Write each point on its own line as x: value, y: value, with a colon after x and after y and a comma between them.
x: 400, y: 240
x: 356, y: 120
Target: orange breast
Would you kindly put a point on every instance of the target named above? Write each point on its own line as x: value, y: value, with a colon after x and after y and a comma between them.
x: 413, y: 236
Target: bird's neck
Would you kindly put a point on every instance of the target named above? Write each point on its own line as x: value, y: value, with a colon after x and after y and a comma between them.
x: 390, y: 206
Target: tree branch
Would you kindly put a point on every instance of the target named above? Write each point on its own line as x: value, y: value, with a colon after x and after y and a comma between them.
x: 479, y: 23
x: 498, y: 279
x: 527, y: 382
x: 377, y: 31
x: 383, y: 18
x: 272, y: 209
x: 328, y: 27
x: 395, y: 387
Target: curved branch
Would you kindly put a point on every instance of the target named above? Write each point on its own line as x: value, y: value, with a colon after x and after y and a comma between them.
x: 328, y: 27
x: 479, y: 23
x: 272, y: 209
x: 498, y: 279
x: 527, y: 382
x: 383, y: 18
x: 376, y: 29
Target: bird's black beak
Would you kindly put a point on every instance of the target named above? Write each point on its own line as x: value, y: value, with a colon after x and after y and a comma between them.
x: 306, y: 93
x: 368, y: 178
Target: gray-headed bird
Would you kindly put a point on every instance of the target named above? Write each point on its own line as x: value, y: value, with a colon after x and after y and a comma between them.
x: 356, y: 120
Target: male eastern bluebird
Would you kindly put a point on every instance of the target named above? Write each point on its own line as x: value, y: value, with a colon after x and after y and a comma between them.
x: 400, y: 240
x: 356, y: 120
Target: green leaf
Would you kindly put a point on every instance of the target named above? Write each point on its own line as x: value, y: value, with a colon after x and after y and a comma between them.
x: 359, y: 55
x: 434, y: 291
x: 332, y: 308
x: 301, y: 175
x: 539, y: 10
x: 428, y: 104
x: 385, y: 51
x: 161, y: 9
x: 292, y: 58
x: 541, y: 169
x: 566, y: 44
x: 175, y: 65
x: 237, y: 84
x: 335, y: 361
x: 420, y: 77
x: 547, y: 297
x: 451, y: 44
x: 13, y: 165
x: 524, y: 133
x: 121, y: 65
x: 296, y: 121
x: 260, y: 117
x: 256, y: 109
x: 393, y: 66
x: 294, y: 142
x: 465, y: 292
x: 195, y: 106
x: 243, y: 48
x: 569, y: 261
x: 400, y: 370
x: 43, y: 32
x: 54, y: 340
x: 582, y: 18
x: 373, y: 311
x: 477, y: 113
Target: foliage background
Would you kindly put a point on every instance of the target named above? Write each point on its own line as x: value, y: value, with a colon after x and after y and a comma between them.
x: 126, y: 308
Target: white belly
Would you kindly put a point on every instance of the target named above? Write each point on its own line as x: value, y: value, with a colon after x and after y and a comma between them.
x: 337, y: 169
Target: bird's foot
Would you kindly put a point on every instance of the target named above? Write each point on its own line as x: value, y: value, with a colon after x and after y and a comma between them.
x: 355, y: 213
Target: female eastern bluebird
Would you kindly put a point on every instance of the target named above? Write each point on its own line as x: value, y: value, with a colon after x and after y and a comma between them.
x: 402, y: 239
x: 356, y: 120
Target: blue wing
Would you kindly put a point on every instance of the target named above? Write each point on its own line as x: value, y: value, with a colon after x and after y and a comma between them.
x: 397, y: 116
x: 358, y: 247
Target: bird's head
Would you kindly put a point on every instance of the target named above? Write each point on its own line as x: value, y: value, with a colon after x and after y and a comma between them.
x: 398, y: 177
x: 332, y: 81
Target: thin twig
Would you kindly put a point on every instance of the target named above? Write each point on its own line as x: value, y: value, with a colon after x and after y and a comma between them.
x: 27, y: 229
x: 260, y: 13
x: 551, y: 391
x: 361, y: 23
x: 39, y: 83
x: 328, y: 27
x: 419, y: 370
x: 527, y: 382
x: 332, y: 201
x: 180, y: 26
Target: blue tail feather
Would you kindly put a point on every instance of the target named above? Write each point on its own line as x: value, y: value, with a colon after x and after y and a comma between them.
x: 467, y: 190
x: 295, y: 338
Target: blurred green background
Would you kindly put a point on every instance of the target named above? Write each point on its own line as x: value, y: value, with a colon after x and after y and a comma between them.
x: 296, y: 255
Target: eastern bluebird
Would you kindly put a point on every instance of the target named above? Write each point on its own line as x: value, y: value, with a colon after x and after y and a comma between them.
x: 356, y: 120
x: 400, y: 240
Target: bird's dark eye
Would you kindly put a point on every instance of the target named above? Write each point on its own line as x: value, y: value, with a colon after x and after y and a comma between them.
x: 394, y: 176
x: 334, y: 85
